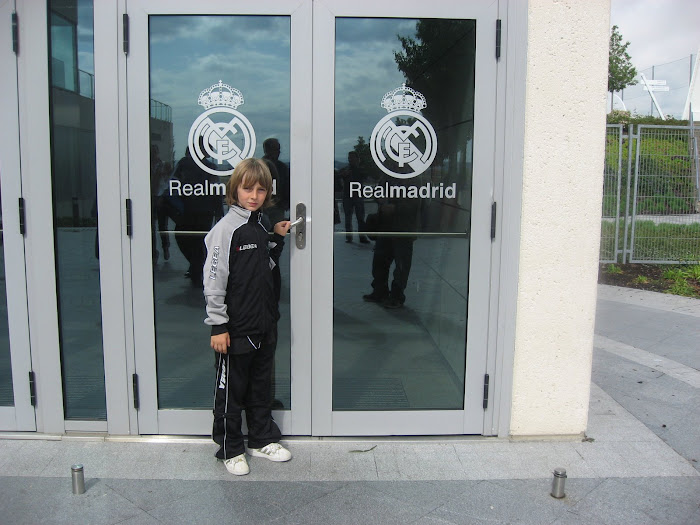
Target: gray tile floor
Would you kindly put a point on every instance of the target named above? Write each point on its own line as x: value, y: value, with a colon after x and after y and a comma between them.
x: 640, y: 466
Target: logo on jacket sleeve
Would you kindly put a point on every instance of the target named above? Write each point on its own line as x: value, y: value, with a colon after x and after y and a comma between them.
x: 214, y: 263
x: 246, y: 247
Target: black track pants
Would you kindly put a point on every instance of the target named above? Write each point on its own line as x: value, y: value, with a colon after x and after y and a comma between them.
x: 357, y: 204
x: 398, y: 250
x: 244, y: 381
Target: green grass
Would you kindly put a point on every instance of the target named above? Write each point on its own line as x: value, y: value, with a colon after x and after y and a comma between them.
x: 674, y: 274
x: 693, y: 272
x: 613, y: 268
x: 681, y: 275
x: 682, y: 287
x: 656, y: 242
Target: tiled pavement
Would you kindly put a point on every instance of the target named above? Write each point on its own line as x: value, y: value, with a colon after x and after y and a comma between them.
x: 640, y: 465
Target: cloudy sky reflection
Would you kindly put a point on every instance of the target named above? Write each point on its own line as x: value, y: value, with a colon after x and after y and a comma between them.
x: 365, y: 70
x: 250, y: 53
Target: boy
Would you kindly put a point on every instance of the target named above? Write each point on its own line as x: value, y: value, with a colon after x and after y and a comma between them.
x: 242, y: 311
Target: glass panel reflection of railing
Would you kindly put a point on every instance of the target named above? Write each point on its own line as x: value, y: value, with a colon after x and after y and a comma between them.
x: 86, y: 84
x: 86, y: 88
x: 86, y: 81
x: 161, y: 111
x: 58, y: 73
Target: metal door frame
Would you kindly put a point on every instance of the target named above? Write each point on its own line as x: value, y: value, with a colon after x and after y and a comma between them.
x: 472, y: 419
x: 491, y: 352
x: 152, y: 420
x: 21, y: 416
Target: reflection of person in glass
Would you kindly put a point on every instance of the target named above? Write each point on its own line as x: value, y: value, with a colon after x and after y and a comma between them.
x: 156, y: 168
x: 353, y: 173
x: 278, y: 211
x: 242, y: 310
x: 161, y: 209
x: 280, y: 174
x: 198, y: 214
x: 393, y: 216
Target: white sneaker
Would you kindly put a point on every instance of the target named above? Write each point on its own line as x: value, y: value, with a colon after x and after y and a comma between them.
x: 238, y: 466
x: 273, y: 452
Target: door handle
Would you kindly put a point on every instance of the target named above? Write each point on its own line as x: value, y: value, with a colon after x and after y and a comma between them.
x: 300, y: 224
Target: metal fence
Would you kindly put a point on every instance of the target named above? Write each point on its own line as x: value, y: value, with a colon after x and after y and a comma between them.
x: 651, y: 203
x: 612, y: 193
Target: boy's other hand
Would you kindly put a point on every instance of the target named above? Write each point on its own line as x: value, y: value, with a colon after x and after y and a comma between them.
x: 282, y: 227
x: 221, y: 342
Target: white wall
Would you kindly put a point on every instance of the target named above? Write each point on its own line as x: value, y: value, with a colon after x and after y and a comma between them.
x: 561, y: 205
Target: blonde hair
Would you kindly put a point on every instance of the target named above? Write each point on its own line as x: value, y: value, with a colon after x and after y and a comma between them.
x: 247, y: 173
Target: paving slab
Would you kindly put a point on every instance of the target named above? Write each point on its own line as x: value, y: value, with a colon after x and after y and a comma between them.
x: 664, y: 405
x: 31, y: 500
x: 512, y: 501
x: 357, y: 503
x: 649, y: 501
x: 654, y: 361
x: 652, y: 300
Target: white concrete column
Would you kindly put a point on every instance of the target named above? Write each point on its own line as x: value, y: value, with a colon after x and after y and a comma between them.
x: 563, y: 160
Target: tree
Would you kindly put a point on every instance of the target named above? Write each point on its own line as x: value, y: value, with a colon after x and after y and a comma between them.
x: 621, y: 72
x: 439, y: 62
x: 366, y: 160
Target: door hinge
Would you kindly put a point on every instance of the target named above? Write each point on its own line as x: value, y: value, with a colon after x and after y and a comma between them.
x: 498, y: 39
x: 125, y: 33
x: 486, y: 391
x: 493, y: 220
x: 15, y: 34
x: 135, y: 386
x: 22, y: 217
x: 32, y: 388
x: 129, y: 226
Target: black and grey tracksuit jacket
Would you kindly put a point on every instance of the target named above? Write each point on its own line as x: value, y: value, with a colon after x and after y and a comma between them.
x: 238, y: 283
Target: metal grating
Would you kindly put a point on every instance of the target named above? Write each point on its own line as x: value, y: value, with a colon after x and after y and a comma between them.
x: 612, y: 184
x: 665, y: 222
x: 380, y: 393
x: 651, y: 192
x: 184, y: 392
x: 85, y: 397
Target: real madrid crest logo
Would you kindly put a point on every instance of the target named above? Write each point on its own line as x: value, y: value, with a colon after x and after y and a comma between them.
x: 221, y: 133
x: 403, y: 143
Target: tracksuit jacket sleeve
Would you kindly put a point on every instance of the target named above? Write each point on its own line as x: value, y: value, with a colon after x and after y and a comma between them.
x: 275, y: 247
x: 216, y: 272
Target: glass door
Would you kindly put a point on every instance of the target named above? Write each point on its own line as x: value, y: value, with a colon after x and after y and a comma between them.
x: 389, y: 330
x: 16, y: 410
x: 404, y: 116
x: 209, y: 84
